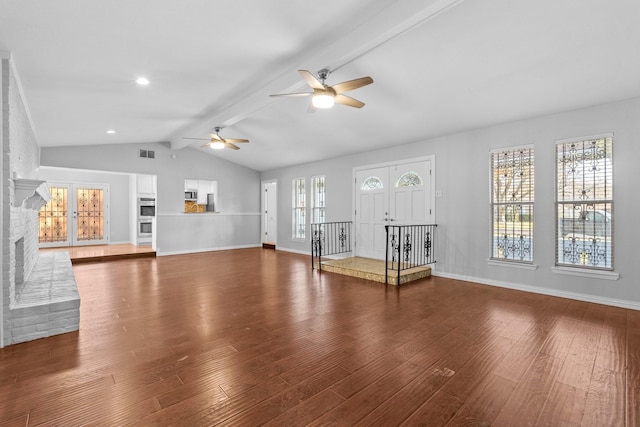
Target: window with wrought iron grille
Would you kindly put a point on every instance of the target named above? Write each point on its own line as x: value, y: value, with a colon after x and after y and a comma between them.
x: 299, y: 208
x: 512, y: 198
x: 584, y: 202
x: 318, y: 193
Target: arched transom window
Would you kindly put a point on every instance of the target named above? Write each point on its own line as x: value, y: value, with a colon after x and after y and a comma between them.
x: 371, y: 183
x: 409, y: 179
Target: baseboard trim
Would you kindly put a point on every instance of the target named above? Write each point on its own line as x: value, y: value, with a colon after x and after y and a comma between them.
x: 551, y: 292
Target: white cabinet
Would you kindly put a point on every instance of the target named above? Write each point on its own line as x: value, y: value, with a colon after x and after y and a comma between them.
x: 146, y: 184
x: 191, y: 184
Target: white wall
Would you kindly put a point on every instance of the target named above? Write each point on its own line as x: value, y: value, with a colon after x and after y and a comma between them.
x: 238, y: 187
x: 463, y: 215
x: 119, y: 195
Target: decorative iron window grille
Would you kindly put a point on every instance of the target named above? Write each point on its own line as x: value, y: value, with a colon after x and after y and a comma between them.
x: 512, y: 204
x: 299, y: 208
x: 371, y: 183
x: 584, y: 202
x: 409, y: 179
x: 318, y: 193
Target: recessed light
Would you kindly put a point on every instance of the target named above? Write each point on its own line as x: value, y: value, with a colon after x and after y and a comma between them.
x: 111, y: 131
x: 142, y: 81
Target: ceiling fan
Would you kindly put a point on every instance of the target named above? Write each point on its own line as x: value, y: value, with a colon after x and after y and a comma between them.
x: 324, y: 96
x: 218, y: 143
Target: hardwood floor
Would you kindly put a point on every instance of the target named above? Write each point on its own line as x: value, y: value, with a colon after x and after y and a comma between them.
x: 105, y: 253
x: 253, y: 337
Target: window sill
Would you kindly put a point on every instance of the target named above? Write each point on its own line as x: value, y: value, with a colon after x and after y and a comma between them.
x: 299, y: 240
x: 594, y: 274
x: 512, y: 264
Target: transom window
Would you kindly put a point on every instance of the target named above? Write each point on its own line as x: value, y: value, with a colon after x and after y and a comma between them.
x: 409, y: 179
x: 512, y: 197
x: 584, y: 202
x: 371, y: 183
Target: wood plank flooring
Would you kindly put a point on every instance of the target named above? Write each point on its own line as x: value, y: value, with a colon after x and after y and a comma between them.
x: 254, y: 337
x: 105, y: 253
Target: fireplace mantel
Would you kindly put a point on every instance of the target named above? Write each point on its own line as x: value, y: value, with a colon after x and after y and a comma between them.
x: 31, y: 193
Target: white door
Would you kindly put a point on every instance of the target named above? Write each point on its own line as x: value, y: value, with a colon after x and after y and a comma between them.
x: 372, y: 212
x: 76, y: 215
x: 270, y: 218
x: 398, y: 194
x: 410, y: 194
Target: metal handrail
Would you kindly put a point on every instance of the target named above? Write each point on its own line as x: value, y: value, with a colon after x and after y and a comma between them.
x: 330, y: 238
x: 409, y: 246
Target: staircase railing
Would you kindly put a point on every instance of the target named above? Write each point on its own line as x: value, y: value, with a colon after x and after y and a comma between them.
x: 408, y: 246
x: 329, y: 238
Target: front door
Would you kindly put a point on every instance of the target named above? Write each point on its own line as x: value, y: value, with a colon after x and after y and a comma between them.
x: 372, y: 212
x: 76, y: 215
x: 397, y: 194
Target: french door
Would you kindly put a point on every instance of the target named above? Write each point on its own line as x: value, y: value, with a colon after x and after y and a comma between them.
x: 397, y: 194
x: 76, y: 215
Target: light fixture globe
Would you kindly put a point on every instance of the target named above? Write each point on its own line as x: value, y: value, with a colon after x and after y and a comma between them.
x: 217, y: 145
x: 322, y: 100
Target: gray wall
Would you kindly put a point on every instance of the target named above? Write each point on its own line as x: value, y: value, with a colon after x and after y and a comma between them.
x: 238, y: 187
x: 119, y: 195
x: 462, y: 213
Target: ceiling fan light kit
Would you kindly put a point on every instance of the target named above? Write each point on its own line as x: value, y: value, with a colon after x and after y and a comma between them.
x: 216, y: 142
x: 324, y: 96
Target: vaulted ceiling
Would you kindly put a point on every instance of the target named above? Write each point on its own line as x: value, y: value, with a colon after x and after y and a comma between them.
x: 439, y: 66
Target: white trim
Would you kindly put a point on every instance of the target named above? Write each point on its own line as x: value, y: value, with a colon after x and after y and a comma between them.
x: 584, y: 138
x: 583, y: 272
x: 295, y: 251
x: 192, y: 251
x: 508, y: 264
x: 551, y: 292
x: 510, y: 148
x: 431, y: 157
x: 3, y: 188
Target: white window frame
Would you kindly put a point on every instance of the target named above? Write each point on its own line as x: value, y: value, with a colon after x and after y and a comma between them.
x: 299, y: 209
x: 513, y: 244
x: 581, y: 240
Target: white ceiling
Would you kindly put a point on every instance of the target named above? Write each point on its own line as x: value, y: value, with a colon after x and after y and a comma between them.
x: 439, y: 66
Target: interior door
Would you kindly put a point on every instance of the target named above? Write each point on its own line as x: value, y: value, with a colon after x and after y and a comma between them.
x: 76, y: 215
x: 410, y: 194
x: 372, y: 212
x: 270, y: 220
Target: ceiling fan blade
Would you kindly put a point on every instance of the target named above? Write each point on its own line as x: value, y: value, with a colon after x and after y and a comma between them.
x: 201, y: 139
x: 216, y: 137
x: 206, y: 145
x: 236, y: 140
x: 311, y: 79
x: 293, y: 94
x: 352, y: 84
x: 232, y: 146
x: 347, y: 100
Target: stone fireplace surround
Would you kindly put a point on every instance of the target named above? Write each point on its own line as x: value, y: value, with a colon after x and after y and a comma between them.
x: 44, y: 298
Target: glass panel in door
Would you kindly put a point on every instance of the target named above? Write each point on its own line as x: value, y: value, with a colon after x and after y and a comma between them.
x: 89, y: 216
x: 53, y: 218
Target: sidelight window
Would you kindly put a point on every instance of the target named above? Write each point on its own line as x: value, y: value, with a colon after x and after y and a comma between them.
x: 318, y: 192
x: 299, y: 208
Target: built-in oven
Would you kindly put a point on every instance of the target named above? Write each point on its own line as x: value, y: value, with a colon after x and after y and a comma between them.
x: 145, y: 227
x: 146, y: 207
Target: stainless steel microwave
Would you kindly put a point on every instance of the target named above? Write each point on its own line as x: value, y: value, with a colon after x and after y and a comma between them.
x: 190, y: 195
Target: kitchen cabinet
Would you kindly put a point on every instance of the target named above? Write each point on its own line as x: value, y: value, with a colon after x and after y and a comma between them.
x: 191, y: 184
x: 146, y: 185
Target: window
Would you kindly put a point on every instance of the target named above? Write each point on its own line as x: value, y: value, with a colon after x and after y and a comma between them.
x: 584, y: 202
x: 317, y: 199
x: 409, y: 179
x: 371, y: 183
x: 299, y: 220
x: 512, y: 197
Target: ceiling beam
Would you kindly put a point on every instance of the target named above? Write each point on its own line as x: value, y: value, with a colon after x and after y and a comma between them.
x: 381, y: 26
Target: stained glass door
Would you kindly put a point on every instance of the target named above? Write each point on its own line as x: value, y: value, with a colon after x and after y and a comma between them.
x: 75, y: 215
